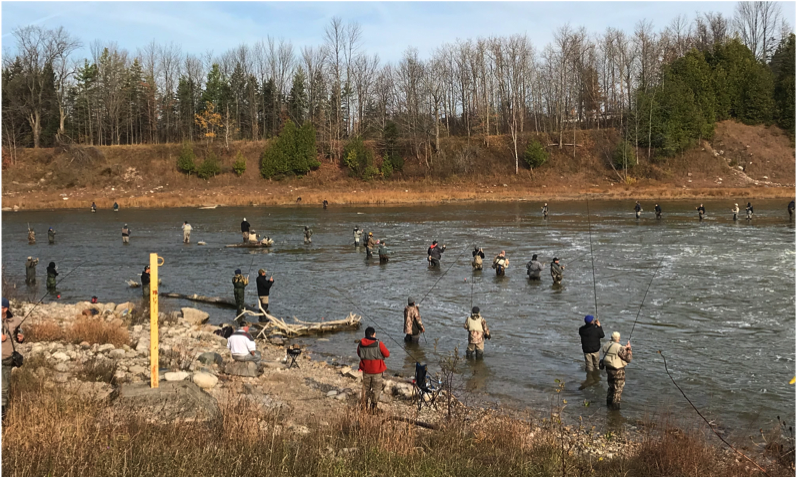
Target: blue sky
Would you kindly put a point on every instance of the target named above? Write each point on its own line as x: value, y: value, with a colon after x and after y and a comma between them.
x: 388, y: 27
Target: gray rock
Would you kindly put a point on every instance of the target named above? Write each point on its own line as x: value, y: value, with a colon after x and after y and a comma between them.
x: 205, y: 380
x: 138, y: 369
x: 210, y: 358
x: 85, y: 345
x: 175, y: 376
x: 277, y: 340
x: 117, y: 353
x: 194, y: 316
x: 61, y: 367
x: 241, y: 369
x: 341, y: 396
x: 332, y: 393
x: 60, y: 377
x: 105, y: 348
x: 60, y: 356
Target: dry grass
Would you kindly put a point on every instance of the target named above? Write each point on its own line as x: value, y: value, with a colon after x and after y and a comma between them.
x: 98, y: 331
x: 45, y: 331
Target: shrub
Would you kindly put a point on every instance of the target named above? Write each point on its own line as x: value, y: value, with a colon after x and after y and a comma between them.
x: 97, y: 370
x: 292, y: 153
x: 47, y: 331
x: 185, y: 162
x: 536, y: 155
x: 387, y: 168
x: 98, y: 331
x: 240, y: 164
x: 359, y: 159
x: 210, y: 167
x: 624, y: 156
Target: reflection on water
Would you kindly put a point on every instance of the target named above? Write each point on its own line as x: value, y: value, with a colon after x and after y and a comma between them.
x: 721, y: 307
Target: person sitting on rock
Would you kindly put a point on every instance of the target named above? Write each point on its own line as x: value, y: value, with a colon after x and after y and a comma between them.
x: 242, y: 346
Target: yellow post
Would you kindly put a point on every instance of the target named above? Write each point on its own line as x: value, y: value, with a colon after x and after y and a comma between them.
x: 153, y: 317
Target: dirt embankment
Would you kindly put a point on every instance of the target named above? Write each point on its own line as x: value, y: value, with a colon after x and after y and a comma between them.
x: 740, y: 161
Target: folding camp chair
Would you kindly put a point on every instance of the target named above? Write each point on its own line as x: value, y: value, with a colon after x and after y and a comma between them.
x: 424, y: 391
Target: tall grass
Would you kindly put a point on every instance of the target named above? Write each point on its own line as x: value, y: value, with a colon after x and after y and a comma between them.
x: 44, y: 331
x: 98, y: 331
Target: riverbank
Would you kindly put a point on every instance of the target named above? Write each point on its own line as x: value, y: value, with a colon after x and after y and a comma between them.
x: 68, y: 415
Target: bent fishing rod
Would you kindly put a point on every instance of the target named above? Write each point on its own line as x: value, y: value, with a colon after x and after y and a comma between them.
x: 592, y: 257
x: 48, y: 293
x: 643, y: 298
x: 438, y: 280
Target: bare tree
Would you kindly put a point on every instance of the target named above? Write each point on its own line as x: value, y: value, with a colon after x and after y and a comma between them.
x: 757, y: 23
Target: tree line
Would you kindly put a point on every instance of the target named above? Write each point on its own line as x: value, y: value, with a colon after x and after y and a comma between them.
x: 662, y: 89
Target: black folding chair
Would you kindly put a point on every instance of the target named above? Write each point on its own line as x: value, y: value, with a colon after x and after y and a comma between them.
x: 424, y: 391
x: 293, y: 353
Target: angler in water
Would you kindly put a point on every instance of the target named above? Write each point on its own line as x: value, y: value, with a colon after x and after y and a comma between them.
x: 591, y: 334
x: 749, y: 210
x: 93, y: 207
x: 52, y: 273
x: 187, y: 232
x: 557, y: 271
x: 534, y: 268
x: 31, y: 237
x: 145, y: 285
x: 51, y: 236
x: 477, y: 332
x: 326, y: 203
x: 545, y: 211
x: 701, y: 211
x: 115, y: 206
x: 30, y: 270
x: 790, y: 208
x: 657, y: 209
x: 500, y: 263
x: 435, y: 253
x: 638, y: 210
x: 478, y: 258
x: 413, y: 327
x: 358, y: 234
x: 615, y: 359
x: 369, y: 246
x: 308, y: 234
x: 125, y: 235
x: 735, y: 211
x: 384, y: 253
x: 239, y: 283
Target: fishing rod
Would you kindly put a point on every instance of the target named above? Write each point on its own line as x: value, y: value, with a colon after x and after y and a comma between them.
x: 592, y: 257
x: 643, y: 298
x: 48, y: 293
x: 438, y: 280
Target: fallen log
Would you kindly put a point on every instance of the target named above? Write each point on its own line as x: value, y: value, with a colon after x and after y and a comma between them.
x: 200, y: 298
x: 276, y: 325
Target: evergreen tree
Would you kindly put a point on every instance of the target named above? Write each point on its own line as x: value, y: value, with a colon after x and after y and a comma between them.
x: 782, y: 65
x: 297, y: 103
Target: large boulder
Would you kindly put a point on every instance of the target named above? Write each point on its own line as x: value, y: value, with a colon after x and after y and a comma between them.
x: 210, y: 358
x: 194, y: 316
x: 170, y: 402
x: 175, y: 376
x: 117, y: 353
x: 61, y: 357
x: 241, y: 369
x: 143, y: 345
x: 205, y: 380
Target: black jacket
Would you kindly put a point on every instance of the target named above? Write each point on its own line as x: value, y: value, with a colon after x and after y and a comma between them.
x: 144, y: 279
x: 263, y: 286
x: 436, y: 252
x: 591, y: 336
x: 478, y: 253
x: 245, y: 226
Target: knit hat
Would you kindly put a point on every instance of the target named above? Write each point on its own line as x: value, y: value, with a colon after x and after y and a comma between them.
x: 261, y: 271
x: 475, y: 310
x: 555, y: 259
x: 410, y: 301
x: 6, y: 303
x: 534, y: 257
x: 237, y: 271
x: 588, y: 319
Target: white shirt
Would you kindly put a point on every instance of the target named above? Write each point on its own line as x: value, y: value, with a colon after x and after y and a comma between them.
x: 186, y: 227
x: 241, y: 344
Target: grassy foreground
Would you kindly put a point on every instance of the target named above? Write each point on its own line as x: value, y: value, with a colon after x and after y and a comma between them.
x: 51, y: 433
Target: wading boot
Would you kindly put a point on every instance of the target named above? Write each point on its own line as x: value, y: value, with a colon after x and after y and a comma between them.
x: 468, y: 354
x: 479, y: 354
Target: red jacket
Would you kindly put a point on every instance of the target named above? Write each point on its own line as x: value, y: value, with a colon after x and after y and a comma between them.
x: 372, y: 357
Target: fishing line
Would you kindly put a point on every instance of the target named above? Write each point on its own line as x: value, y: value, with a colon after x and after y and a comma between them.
x: 592, y: 256
x: 48, y: 293
x: 643, y: 298
x: 438, y: 280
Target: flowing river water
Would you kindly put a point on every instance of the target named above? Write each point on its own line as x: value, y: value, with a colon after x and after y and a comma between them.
x: 721, y: 308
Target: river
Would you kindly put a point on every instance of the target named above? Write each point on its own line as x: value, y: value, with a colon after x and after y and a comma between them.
x: 721, y: 308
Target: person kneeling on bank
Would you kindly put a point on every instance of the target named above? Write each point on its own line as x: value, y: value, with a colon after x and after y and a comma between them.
x: 242, y: 346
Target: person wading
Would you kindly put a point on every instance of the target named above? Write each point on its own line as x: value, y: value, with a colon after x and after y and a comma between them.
x: 31, y: 237
x: 657, y: 209
x: 115, y: 206
x: 477, y: 332
x: 11, y: 331
x: 478, y: 258
x: 93, y: 207
x: 369, y: 246
x: 557, y: 271
x: 358, y: 234
x: 534, y: 268
x: 51, y: 236
x: 591, y: 334
x: 186, y: 232
x: 384, y: 253
x: 500, y: 263
x: 749, y: 210
x: 52, y: 273
x: 735, y: 211
x: 790, y: 208
x: 615, y: 359
x: 413, y: 327
x: 245, y: 230
x: 701, y: 211
x: 545, y: 211
x: 263, y: 289
x: 435, y: 253
x: 125, y: 234
x: 638, y: 209
x: 308, y: 234
x: 239, y: 283
x: 326, y: 203
x: 30, y: 270
x: 145, y: 285
x: 372, y: 355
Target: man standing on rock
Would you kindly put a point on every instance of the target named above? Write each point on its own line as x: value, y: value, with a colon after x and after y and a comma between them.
x: 145, y: 285
x: 239, y: 283
x: 245, y: 230
x: 616, y: 358
x: 477, y: 332
x: 51, y: 236
x: 125, y: 235
x: 413, y: 327
x: 372, y: 355
x: 263, y: 289
x: 242, y: 346
x: 186, y: 232
x: 30, y: 270
x: 11, y: 332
